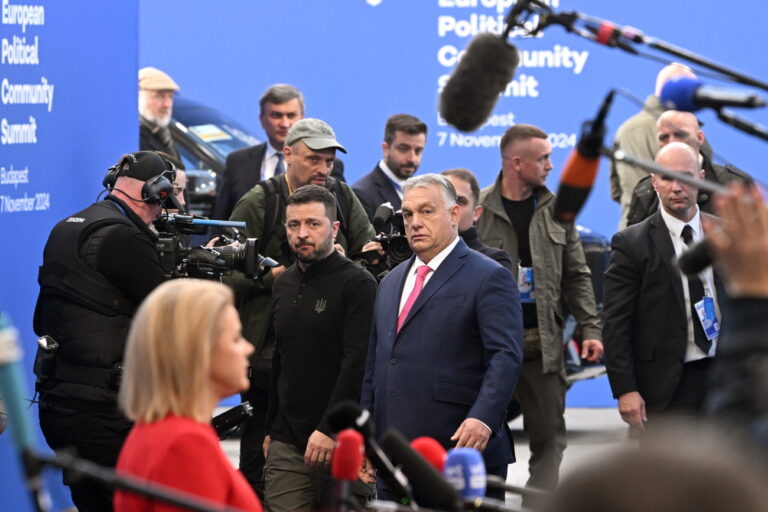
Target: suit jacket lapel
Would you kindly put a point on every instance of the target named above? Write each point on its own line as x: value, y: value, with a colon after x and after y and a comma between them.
x: 387, y: 188
x: 663, y: 243
x: 442, y: 275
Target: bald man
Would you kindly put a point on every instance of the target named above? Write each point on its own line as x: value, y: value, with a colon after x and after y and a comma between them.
x: 637, y: 136
x: 660, y: 328
x: 677, y: 126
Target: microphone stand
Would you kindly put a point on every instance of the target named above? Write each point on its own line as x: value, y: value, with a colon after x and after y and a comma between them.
x: 653, y: 168
x: 742, y: 124
x: 84, y: 468
x: 620, y: 37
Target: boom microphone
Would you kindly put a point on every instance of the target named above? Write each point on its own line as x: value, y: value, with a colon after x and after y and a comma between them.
x: 696, y: 259
x: 432, y: 489
x: 580, y: 169
x: 690, y: 94
x: 483, y: 73
x: 348, y: 414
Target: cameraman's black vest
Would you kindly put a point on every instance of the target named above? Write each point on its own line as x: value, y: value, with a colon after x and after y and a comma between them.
x: 85, y: 313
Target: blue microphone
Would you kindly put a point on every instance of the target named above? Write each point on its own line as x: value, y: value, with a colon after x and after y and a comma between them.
x: 690, y: 95
x: 12, y: 386
x: 465, y: 471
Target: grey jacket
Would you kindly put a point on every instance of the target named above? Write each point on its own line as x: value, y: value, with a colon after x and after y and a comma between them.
x: 559, y: 267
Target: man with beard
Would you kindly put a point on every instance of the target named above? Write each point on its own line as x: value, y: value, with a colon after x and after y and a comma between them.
x: 320, y: 321
x: 310, y: 150
x: 156, y: 90
x: 404, y: 139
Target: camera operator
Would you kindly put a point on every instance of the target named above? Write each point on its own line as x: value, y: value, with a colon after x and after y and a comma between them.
x: 98, y: 266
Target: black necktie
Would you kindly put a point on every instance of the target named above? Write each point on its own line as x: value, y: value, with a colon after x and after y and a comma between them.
x: 696, y: 294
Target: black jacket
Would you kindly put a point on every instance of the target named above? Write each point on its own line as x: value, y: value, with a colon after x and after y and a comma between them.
x: 98, y: 265
x: 374, y: 189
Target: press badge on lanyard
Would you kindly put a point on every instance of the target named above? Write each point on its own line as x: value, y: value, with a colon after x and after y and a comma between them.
x: 525, y: 285
x: 705, y: 310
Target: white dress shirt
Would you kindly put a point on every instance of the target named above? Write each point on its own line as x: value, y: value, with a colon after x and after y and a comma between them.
x: 675, y: 227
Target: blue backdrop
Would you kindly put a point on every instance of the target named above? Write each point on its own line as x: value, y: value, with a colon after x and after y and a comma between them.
x: 53, y: 154
x: 357, y: 61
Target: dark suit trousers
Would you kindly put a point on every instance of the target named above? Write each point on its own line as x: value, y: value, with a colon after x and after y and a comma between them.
x: 692, y: 390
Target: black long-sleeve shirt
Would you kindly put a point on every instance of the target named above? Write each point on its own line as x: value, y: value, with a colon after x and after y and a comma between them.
x: 321, y: 322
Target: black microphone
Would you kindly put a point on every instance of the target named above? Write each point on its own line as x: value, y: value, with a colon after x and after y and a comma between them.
x: 348, y: 414
x: 432, y: 489
x: 381, y: 217
x: 483, y: 73
x: 690, y: 94
x: 580, y: 170
x: 697, y: 258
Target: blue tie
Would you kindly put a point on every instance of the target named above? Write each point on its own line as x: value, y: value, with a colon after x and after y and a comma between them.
x: 280, y: 167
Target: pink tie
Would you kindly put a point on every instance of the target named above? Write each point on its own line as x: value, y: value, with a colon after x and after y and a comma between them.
x: 421, y: 274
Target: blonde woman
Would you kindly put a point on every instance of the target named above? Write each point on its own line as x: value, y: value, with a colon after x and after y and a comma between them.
x: 184, y: 353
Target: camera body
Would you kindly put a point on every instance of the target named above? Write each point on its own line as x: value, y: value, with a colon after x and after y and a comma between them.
x: 228, y: 254
x: 388, y: 223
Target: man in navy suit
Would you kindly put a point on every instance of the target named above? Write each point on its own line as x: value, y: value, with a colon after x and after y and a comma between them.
x: 404, y: 139
x: 446, y: 342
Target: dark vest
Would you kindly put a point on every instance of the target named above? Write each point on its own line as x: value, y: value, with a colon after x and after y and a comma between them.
x: 86, y: 314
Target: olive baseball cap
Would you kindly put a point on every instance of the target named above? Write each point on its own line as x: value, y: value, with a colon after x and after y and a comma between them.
x: 316, y: 134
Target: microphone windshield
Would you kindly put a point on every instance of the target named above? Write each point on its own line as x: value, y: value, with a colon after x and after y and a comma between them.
x: 480, y: 77
x: 348, y: 414
x: 347, y: 460
x: 432, y: 451
x: 430, y: 487
x: 576, y: 182
x: 696, y: 259
x: 465, y: 471
x: 680, y: 94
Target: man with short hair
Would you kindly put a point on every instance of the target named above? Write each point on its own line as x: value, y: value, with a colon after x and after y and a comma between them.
x: 404, y: 139
x: 677, y: 126
x: 156, y: 91
x: 320, y: 322
x: 445, y: 346
x: 98, y: 266
x: 310, y: 152
x: 661, y: 327
x: 637, y: 136
x: 470, y: 209
x: 551, y: 266
x: 280, y: 107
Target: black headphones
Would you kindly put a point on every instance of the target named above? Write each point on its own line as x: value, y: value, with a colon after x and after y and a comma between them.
x: 155, y: 190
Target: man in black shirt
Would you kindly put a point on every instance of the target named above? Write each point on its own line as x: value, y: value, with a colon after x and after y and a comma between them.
x: 98, y: 266
x: 320, y: 322
x: 470, y: 209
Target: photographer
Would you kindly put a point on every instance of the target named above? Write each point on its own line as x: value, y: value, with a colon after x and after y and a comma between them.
x: 98, y: 266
